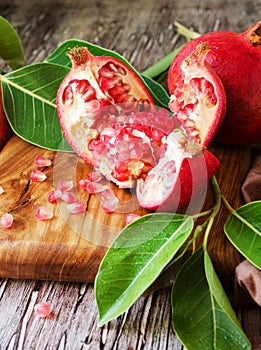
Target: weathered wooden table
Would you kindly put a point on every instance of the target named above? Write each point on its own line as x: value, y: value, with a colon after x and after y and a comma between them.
x: 142, y: 32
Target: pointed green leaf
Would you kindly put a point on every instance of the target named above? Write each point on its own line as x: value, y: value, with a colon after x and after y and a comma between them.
x: 10, y: 46
x: 29, y: 96
x: 59, y: 56
x: 135, y: 260
x: 201, y: 313
x: 243, y: 229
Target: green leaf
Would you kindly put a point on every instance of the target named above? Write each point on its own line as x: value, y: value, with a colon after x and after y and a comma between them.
x: 29, y: 95
x: 10, y: 46
x: 243, y: 229
x: 201, y: 313
x: 59, y: 56
x: 161, y: 66
x: 135, y: 260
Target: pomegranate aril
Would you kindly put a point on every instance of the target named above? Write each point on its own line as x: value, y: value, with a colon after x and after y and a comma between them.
x: 6, y: 220
x: 43, y: 309
x: 94, y: 176
x: 75, y: 208
x: 37, y: 176
x: 68, y: 197
x: 68, y: 97
x: 41, y: 161
x: 54, y: 195
x: 129, y: 218
x: 94, y: 187
x: 43, y: 213
x: 65, y: 185
x: 105, y: 83
x: 109, y: 201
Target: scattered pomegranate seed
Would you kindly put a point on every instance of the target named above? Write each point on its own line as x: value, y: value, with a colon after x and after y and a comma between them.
x: 131, y: 217
x: 7, y: 220
x: 94, y: 176
x: 54, y: 195
x: 68, y: 197
x: 65, y: 185
x: 43, y: 213
x: 83, y: 183
x: 43, y: 309
x: 94, y: 187
x: 1, y: 190
x: 37, y: 176
x: 109, y: 201
x: 41, y: 161
x: 76, y: 208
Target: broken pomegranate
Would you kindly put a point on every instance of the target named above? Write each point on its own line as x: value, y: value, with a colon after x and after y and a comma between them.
x: 236, y: 58
x: 93, y: 83
x: 135, y: 143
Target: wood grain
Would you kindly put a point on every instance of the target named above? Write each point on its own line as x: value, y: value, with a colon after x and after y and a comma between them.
x: 143, y: 32
x: 68, y: 247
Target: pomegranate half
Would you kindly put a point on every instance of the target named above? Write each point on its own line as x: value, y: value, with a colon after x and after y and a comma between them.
x: 236, y: 58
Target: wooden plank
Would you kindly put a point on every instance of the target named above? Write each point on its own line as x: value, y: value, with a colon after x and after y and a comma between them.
x: 68, y: 247
x: 71, y: 246
x: 143, y: 32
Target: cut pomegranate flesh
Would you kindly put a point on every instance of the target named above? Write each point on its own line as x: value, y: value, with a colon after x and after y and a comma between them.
x: 198, y: 97
x: 93, y: 83
x: 111, y: 122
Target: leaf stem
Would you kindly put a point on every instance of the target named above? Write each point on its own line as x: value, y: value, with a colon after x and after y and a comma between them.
x: 215, y: 210
x: 187, y: 33
x: 160, y: 67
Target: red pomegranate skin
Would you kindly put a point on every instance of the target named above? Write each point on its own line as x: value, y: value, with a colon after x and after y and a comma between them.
x: 236, y: 58
x: 5, y: 129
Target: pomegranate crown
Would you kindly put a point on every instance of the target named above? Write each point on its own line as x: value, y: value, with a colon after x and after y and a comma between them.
x: 79, y: 55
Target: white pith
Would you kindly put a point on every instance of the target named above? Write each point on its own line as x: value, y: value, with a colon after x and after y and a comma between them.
x: 202, y: 116
x: 155, y: 189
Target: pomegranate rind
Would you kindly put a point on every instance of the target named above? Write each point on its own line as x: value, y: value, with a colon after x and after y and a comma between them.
x: 198, y: 96
x: 192, y: 178
x: 236, y: 59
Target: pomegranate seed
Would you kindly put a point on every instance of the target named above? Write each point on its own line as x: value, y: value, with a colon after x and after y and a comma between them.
x: 41, y: 161
x: 1, y: 190
x: 94, y: 187
x: 83, y: 183
x: 94, y: 176
x: 109, y: 201
x: 76, y: 208
x: 43, y: 309
x: 7, y: 220
x: 54, y: 195
x: 131, y: 217
x: 43, y: 213
x: 37, y: 176
x: 68, y: 197
x: 65, y: 185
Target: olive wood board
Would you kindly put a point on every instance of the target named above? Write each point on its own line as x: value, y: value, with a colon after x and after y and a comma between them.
x: 70, y: 247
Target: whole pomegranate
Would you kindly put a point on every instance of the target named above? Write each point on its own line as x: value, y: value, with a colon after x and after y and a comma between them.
x: 5, y: 129
x: 110, y: 119
x: 236, y: 58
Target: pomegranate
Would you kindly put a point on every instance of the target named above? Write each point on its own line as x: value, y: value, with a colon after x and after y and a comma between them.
x: 132, y: 142
x: 93, y: 83
x: 5, y: 129
x: 236, y: 58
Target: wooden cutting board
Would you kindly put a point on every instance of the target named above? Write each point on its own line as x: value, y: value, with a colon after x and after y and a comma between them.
x: 70, y: 247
